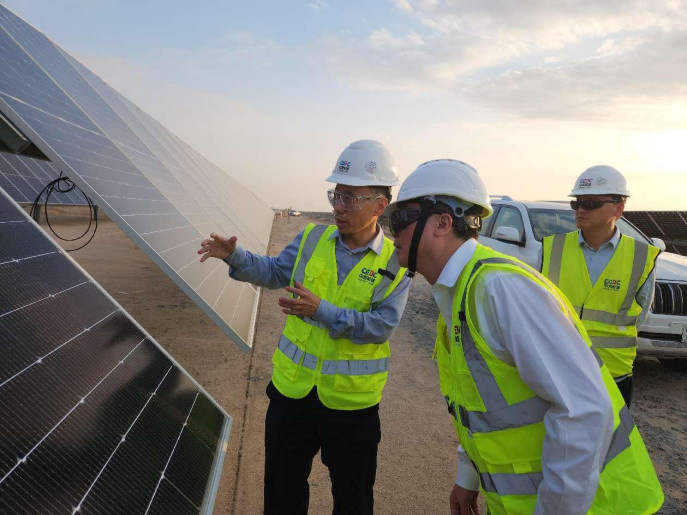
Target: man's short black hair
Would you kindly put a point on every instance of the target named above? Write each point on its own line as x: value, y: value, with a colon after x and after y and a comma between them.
x: 460, y: 228
x: 385, y: 191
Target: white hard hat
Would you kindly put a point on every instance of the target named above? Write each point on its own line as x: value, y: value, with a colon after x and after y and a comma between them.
x: 600, y: 180
x: 365, y: 163
x: 446, y: 178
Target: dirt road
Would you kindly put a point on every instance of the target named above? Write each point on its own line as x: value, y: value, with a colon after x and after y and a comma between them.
x: 417, y: 452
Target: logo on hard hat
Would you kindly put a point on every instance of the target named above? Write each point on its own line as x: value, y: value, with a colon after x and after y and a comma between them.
x: 344, y: 166
x: 601, y: 181
x: 585, y: 183
x: 371, y: 167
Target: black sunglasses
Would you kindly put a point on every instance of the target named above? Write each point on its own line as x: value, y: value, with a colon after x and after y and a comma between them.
x: 402, y: 218
x: 590, y: 204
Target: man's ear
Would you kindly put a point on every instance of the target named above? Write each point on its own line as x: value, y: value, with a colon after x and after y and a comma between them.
x: 444, y: 224
x: 619, y: 209
x: 380, y: 206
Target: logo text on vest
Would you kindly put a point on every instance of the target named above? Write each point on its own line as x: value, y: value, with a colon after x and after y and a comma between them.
x: 367, y: 275
x: 612, y: 284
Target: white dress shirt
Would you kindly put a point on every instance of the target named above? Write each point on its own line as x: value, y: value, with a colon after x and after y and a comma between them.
x: 523, y: 326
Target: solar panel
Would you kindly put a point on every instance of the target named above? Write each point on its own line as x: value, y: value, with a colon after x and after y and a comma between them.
x: 95, y: 415
x: 161, y: 193
x: 23, y: 178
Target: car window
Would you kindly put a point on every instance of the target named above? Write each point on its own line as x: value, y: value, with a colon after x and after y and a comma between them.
x: 509, y: 217
x: 546, y: 222
x: 486, y: 224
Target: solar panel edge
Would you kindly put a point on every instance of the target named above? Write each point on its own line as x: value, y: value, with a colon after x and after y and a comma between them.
x: 245, y: 346
x: 213, y: 485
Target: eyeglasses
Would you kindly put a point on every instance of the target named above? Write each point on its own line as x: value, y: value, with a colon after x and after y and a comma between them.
x: 590, y: 204
x: 402, y: 218
x: 350, y: 202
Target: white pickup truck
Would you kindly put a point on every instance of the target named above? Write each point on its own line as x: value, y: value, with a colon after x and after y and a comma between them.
x: 517, y: 228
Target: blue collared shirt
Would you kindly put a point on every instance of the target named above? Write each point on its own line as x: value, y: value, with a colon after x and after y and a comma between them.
x: 375, y: 326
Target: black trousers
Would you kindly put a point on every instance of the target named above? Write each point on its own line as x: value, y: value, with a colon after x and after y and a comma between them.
x: 625, y: 387
x: 295, y: 429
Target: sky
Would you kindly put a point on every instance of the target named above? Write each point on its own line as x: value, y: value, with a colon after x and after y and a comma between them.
x: 529, y: 92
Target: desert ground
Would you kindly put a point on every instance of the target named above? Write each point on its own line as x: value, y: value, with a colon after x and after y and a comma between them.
x: 417, y: 453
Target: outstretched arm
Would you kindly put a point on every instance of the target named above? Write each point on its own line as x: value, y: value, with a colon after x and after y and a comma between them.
x: 266, y: 271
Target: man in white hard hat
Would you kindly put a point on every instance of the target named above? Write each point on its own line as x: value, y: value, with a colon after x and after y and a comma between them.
x: 542, y: 427
x: 347, y: 294
x: 607, y: 276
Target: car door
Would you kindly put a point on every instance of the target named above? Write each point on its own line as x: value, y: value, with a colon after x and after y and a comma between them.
x: 509, y: 218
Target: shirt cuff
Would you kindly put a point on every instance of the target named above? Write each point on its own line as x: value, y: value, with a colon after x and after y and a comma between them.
x: 326, y: 313
x: 467, y: 476
x: 236, y: 258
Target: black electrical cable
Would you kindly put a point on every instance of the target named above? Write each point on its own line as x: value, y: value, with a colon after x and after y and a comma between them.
x: 65, y: 185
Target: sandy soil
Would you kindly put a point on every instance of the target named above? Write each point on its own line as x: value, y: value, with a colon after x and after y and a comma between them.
x: 417, y: 452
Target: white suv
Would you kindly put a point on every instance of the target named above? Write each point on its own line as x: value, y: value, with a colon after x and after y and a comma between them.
x: 517, y: 228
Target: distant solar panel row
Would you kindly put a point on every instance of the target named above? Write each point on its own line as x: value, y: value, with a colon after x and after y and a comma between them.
x: 669, y: 225
x: 23, y: 178
x: 95, y: 417
x: 162, y: 193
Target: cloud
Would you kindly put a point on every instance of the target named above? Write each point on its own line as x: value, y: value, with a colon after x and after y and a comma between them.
x: 572, y: 59
x: 638, y: 82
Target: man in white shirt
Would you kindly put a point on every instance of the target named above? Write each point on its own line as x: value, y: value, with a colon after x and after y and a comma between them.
x: 532, y: 403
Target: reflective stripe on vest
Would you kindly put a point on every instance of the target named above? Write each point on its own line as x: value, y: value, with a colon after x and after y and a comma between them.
x: 511, y: 484
x: 329, y: 367
x: 613, y: 342
x: 621, y: 436
x: 527, y: 484
x: 309, y: 245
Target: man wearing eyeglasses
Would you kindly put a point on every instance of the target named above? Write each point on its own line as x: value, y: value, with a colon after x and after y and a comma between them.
x: 608, y: 276
x: 347, y: 295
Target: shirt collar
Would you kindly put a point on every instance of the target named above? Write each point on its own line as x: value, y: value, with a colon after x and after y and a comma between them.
x: 456, y: 263
x: 613, y: 241
x: 376, y: 244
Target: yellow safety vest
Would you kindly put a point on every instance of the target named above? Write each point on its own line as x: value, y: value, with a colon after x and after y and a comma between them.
x: 499, y: 419
x: 348, y: 375
x: 608, y: 309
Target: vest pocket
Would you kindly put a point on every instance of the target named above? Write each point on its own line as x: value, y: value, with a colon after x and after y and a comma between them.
x: 359, y: 383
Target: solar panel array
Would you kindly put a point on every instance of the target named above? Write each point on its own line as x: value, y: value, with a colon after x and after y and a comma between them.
x: 94, y: 415
x: 161, y: 192
x: 23, y: 178
x: 670, y: 226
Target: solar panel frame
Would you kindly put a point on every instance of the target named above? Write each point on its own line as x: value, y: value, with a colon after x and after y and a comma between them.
x: 72, y: 134
x: 212, y: 484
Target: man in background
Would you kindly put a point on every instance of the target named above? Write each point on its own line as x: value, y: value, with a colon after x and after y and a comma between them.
x: 607, y: 276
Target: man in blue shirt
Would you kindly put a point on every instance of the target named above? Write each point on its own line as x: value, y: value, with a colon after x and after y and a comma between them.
x: 307, y: 413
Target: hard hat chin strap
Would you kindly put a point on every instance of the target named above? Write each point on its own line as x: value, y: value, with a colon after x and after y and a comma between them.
x: 425, y: 211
